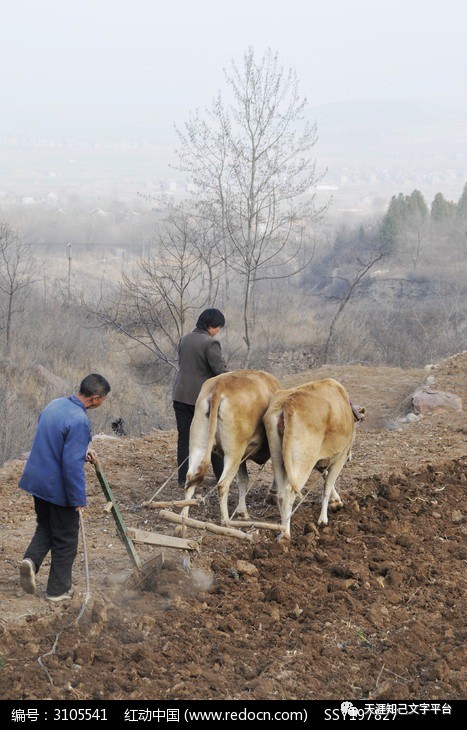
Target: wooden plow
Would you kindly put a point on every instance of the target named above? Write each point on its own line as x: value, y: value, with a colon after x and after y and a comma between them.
x: 230, y: 530
x: 132, y: 536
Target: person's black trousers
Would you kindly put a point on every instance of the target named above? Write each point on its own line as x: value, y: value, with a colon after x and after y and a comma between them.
x: 57, y: 530
x: 184, y: 413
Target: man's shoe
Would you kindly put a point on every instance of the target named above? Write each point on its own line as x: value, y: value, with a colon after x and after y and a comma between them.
x: 63, y: 597
x: 27, y: 575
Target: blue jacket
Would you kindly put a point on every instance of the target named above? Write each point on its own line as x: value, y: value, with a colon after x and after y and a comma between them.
x: 54, y: 470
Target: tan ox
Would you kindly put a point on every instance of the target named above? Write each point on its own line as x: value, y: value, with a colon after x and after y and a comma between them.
x: 309, y: 427
x: 228, y: 419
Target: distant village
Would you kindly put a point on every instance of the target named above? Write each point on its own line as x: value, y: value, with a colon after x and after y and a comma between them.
x: 37, y: 171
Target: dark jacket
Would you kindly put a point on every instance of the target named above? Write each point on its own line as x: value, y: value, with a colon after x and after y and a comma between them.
x: 200, y: 358
x: 54, y: 470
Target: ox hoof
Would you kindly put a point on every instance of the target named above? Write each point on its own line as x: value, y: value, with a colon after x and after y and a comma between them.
x: 335, y: 506
x: 322, y: 523
x: 283, y: 540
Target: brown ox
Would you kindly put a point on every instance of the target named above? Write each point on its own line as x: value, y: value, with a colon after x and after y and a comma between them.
x: 309, y: 427
x: 228, y: 419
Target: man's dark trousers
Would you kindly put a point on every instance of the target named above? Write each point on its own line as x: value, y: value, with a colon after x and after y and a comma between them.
x: 56, y: 531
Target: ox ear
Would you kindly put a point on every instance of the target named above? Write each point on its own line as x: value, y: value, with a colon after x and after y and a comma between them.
x: 358, y: 412
x: 361, y: 410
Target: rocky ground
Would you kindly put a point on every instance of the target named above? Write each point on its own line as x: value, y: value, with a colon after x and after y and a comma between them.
x: 371, y: 607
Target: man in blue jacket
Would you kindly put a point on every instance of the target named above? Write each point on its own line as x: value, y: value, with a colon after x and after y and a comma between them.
x: 54, y: 475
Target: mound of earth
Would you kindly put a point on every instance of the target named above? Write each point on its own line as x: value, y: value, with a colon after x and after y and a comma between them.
x: 371, y: 607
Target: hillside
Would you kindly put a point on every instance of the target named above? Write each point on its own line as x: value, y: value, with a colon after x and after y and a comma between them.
x: 371, y: 607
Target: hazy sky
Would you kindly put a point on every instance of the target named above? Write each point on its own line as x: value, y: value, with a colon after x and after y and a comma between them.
x: 131, y: 68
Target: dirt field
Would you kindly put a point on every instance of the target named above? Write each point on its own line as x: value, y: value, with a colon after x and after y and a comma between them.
x: 371, y: 607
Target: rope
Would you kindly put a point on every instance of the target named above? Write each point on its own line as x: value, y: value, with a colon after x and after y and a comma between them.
x: 301, y: 501
x: 83, y: 607
x: 166, y: 481
x: 250, y: 486
x: 205, y: 496
x: 87, y: 595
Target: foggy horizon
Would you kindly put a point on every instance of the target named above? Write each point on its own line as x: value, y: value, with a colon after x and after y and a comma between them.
x: 125, y: 69
x: 382, y: 79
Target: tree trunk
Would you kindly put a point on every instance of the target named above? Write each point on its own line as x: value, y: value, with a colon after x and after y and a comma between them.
x: 8, y: 325
x: 246, y: 324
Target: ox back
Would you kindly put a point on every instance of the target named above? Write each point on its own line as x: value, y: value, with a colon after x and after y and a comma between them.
x: 228, y: 418
x: 309, y: 427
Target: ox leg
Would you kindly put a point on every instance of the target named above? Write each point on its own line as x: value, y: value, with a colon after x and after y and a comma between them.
x: 271, y: 497
x: 196, y: 471
x: 335, y: 502
x: 197, y: 468
x: 189, y: 492
x: 286, y: 498
x: 223, y: 486
x: 329, y: 488
x: 242, y: 480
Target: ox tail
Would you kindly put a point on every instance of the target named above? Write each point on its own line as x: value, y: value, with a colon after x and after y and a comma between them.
x: 284, y: 427
x: 200, y: 469
x: 213, y: 414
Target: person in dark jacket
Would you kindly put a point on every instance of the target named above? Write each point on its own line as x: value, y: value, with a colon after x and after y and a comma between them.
x: 54, y: 476
x: 200, y: 358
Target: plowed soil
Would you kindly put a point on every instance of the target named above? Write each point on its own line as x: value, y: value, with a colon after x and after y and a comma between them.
x: 371, y: 607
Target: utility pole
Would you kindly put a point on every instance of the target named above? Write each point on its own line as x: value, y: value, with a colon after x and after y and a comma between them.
x: 69, y: 270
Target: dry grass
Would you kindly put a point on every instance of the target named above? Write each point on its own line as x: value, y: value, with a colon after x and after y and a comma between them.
x: 55, y: 342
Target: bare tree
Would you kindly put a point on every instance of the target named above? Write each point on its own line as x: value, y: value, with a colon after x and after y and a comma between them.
x: 153, y: 302
x: 363, y: 262
x: 416, y: 232
x: 17, y: 272
x: 250, y: 163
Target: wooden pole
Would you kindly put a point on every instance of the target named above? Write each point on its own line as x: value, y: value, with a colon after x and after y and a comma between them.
x: 119, y: 521
x: 156, y: 538
x: 258, y: 525
x: 198, y: 524
x: 176, y: 503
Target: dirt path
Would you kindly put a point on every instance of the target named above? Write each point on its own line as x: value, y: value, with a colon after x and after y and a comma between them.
x: 372, y: 607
